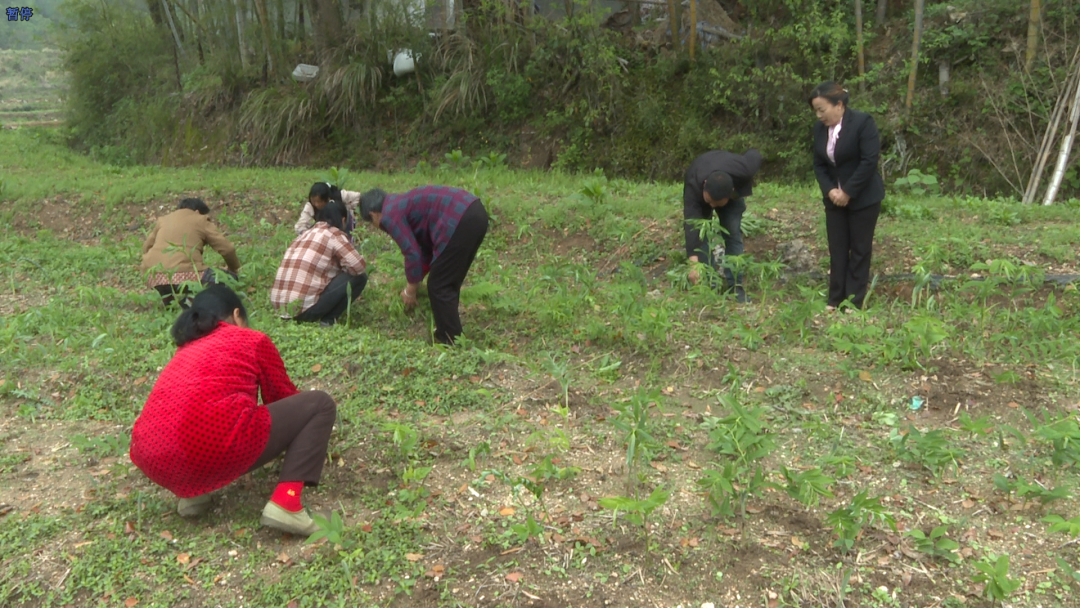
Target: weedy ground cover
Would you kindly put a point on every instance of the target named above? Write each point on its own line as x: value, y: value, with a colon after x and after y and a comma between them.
x: 606, y: 434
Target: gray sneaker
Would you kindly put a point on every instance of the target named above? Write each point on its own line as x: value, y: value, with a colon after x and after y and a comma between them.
x: 194, y: 507
x: 300, y: 524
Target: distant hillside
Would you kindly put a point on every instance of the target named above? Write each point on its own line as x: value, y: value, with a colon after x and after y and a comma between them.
x: 31, y: 85
x: 32, y: 34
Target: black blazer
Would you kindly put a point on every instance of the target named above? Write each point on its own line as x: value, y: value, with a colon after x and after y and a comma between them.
x: 856, y: 170
x: 741, y: 168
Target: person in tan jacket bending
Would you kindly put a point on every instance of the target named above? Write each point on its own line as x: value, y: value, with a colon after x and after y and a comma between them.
x: 172, y: 253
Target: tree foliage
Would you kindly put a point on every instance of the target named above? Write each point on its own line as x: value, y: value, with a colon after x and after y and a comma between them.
x: 623, y: 100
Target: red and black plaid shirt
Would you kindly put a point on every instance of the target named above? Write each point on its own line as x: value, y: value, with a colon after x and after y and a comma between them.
x: 311, y: 262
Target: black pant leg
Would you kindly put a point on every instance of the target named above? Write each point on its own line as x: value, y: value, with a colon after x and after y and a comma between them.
x: 861, y: 225
x: 449, y: 269
x: 174, y: 293
x: 836, y: 227
x: 730, y: 217
x: 300, y: 426
x: 333, y: 300
x: 356, y: 284
x: 209, y: 276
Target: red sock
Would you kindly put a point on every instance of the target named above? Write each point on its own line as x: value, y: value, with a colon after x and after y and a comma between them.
x: 287, y: 495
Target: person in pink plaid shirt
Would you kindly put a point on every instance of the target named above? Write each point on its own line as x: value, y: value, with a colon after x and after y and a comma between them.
x: 320, y: 271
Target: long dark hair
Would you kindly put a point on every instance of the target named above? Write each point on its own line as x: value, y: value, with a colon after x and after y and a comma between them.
x: 325, y: 191
x: 334, y: 214
x: 210, y: 306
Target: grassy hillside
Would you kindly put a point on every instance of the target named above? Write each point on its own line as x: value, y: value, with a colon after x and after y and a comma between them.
x: 778, y: 443
x: 31, y: 85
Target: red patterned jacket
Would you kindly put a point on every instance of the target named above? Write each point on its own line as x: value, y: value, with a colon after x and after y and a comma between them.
x: 202, y: 426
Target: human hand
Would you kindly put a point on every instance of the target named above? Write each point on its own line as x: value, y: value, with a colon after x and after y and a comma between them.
x: 408, y: 297
x: 694, y: 275
x: 842, y: 199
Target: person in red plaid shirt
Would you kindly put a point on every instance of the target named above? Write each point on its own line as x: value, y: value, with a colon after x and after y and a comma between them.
x: 320, y: 270
x: 439, y: 229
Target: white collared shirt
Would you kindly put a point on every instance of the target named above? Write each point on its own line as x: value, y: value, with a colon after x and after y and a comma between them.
x: 830, y: 147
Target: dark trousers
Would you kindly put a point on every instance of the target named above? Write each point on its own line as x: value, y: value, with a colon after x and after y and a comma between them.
x: 300, y: 426
x: 334, y: 299
x: 730, y: 217
x: 449, y: 269
x: 182, y: 294
x: 851, y: 241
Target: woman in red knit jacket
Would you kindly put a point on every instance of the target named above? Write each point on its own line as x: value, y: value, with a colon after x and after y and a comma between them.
x: 202, y: 426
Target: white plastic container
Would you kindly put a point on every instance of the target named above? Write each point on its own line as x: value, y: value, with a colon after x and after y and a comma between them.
x: 305, y: 72
x: 404, y: 63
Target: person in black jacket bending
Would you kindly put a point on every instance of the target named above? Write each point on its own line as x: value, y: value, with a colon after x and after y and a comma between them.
x: 846, y: 151
x: 718, y: 180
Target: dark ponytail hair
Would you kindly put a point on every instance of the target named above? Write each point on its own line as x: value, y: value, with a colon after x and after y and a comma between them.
x: 195, y: 204
x: 831, y: 91
x: 334, y: 214
x: 210, y: 306
x: 325, y: 191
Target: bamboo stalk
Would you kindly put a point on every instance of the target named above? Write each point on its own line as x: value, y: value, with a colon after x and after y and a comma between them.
x: 240, y: 34
x: 192, y: 17
x: 264, y: 18
x: 914, y: 55
x: 693, y: 27
x: 281, y: 19
x: 674, y: 27
x: 1046, y: 146
x: 859, y: 44
x: 1066, y: 149
x: 1034, y: 19
x: 172, y: 26
x: 1050, y: 136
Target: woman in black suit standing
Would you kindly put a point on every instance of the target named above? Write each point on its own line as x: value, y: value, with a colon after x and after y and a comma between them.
x: 846, y: 151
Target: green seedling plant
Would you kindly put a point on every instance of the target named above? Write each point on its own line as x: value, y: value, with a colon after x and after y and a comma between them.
x: 333, y: 530
x: 843, y: 465
x: 336, y: 176
x: 932, y: 450
x: 405, y: 438
x: 1067, y: 571
x: 102, y: 447
x: 531, y: 528
x: 918, y: 183
x: 848, y: 522
x: 493, y: 160
x: 559, y: 369
x: 632, y: 422
x: 407, y: 442
x: 1063, y: 435
x: 547, y: 469
x: 637, y: 512
x: 456, y: 159
x: 1029, y: 491
x: 1058, y: 524
x: 976, y: 427
x: 549, y: 437
x: 742, y: 438
x: 936, y: 544
x: 993, y: 571
x: 808, y: 487
x: 475, y: 451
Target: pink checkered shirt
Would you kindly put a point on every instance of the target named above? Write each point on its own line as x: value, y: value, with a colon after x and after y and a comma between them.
x: 311, y: 262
